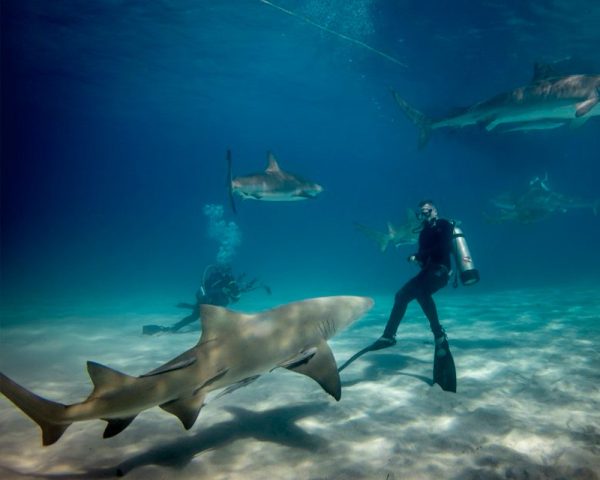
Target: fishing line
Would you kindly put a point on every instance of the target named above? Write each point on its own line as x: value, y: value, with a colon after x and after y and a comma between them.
x: 333, y: 32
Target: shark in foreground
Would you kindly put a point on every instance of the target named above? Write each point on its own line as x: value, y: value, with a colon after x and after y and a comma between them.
x: 397, y: 235
x: 234, y: 349
x: 271, y: 185
x: 549, y: 101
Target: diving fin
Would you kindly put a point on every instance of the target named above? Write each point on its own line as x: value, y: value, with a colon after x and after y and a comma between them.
x: 379, y: 344
x: 444, y: 371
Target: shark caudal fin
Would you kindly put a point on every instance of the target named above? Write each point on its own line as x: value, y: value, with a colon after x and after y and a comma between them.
x: 230, y: 182
x: 422, y: 122
x: 382, y: 239
x: 47, y: 414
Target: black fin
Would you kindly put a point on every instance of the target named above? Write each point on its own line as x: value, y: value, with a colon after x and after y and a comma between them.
x: 116, y: 426
x: 444, y: 372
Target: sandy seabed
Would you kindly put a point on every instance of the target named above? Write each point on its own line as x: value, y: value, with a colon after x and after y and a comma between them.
x: 527, y: 407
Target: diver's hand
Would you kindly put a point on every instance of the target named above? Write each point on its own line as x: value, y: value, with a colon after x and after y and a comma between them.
x: 412, y: 259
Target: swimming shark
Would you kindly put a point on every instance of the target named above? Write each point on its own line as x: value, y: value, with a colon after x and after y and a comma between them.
x: 549, y: 101
x: 234, y: 349
x: 536, y: 203
x: 397, y: 235
x: 271, y: 185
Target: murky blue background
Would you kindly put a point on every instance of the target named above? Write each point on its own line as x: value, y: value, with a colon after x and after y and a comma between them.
x: 116, y: 116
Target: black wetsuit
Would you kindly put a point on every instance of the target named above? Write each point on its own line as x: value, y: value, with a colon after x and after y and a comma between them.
x: 435, y: 246
x: 218, y: 290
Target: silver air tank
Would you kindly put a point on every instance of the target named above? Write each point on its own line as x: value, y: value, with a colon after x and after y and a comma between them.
x: 469, y: 275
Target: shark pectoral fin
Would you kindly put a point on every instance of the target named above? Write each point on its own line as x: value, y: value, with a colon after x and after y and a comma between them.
x: 116, y: 426
x: 105, y: 378
x: 323, y: 369
x: 185, y: 409
x: 303, y: 357
x: 584, y: 107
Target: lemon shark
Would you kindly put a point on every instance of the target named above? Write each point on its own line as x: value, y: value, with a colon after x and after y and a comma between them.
x: 397, y: 235
x: 549, y: 101
x: 271, y: 185
x: 234, y: 349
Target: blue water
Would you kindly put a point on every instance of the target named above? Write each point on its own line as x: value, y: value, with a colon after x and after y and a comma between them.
x: 116, y: 117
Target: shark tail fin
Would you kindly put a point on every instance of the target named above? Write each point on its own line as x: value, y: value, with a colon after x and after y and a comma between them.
x: 382, y: 239
x: 230, y: 182
x: 419, y: 119
x: 47, y: 414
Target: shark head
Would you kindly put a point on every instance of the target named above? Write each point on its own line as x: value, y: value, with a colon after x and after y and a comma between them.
x: 340, y: 312
x: 312, y: 189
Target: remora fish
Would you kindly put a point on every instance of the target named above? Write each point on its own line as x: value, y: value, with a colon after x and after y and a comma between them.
x: 547, y: 102
x: 233, y: 349
x: 397, y: 235
x: 272, y: 185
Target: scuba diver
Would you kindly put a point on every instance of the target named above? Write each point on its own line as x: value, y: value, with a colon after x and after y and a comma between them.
x: 438, y: 240
x: 219, y: 287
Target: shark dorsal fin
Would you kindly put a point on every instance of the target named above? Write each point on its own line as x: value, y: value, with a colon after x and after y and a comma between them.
x: 219, y: 322
x: 542, y: 71
x: 322, y: 368
x: 272, y: 166
x: 391, y: 229
x: 186, y: 409
x: 105, y: 378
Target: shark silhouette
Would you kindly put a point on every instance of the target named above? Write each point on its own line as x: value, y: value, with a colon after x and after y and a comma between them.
x: 549, y: 101
x: 234, y: 348
x: 271, y: 185
x: 397, y: 235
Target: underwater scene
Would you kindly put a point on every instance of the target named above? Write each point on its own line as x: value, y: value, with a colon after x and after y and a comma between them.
x: 319, y: 239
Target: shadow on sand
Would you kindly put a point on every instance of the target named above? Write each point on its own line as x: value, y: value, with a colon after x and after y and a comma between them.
x: 277, y: 425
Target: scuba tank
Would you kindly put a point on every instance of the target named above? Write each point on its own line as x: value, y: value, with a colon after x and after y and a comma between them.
x: 469, y: 275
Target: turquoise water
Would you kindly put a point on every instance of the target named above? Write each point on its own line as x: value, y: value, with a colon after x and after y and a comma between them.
x: 116, y: 119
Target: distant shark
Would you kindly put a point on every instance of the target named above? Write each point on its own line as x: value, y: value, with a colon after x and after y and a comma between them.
x: 234, y: 349
x: 272, y: 185
x: 548, y: 102
x: 535, y: 204
x: 397, y: 235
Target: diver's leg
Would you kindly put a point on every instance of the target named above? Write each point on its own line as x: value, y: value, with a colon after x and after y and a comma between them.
x: 403, y: 297
x: 192, y: 317
x: 429, y: 309
x: 433, y: 279
x: 444, y: 371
